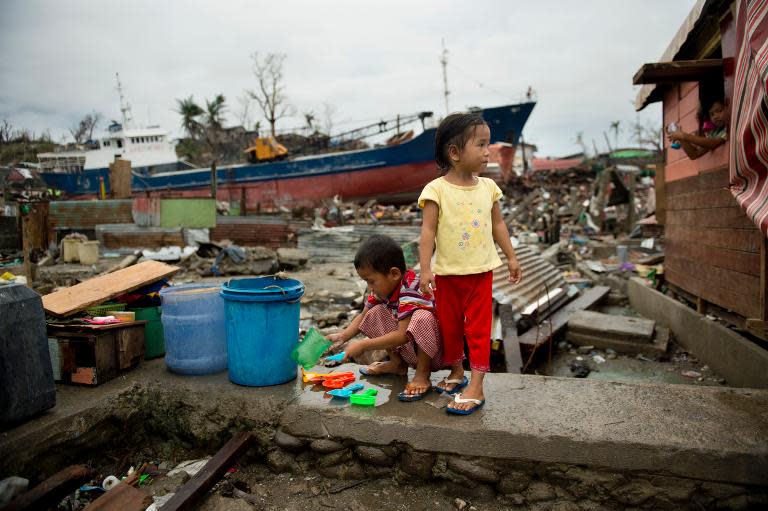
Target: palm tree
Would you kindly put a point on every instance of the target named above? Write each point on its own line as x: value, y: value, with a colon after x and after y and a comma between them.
x: 189, y: 111
x: 214, y: 112
x: 616, y: 130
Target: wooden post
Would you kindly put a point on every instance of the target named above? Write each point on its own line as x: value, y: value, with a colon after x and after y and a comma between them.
x: 661, y: 194
x: 120, y: 179
x: 631, y: 204
x: 213, y: 180
x: 34, y: 234
x: 243, y: 204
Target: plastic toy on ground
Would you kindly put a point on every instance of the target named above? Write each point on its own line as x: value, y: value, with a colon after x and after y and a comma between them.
x: 346, y: 391
x: 309, y: 351
x: 337, y: 382
x: 367, y: 398
x: 338, y: 357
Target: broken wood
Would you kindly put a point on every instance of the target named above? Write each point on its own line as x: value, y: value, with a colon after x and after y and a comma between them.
x: 541, y: 333
x: 512, y: 356
x: 127, y: 261
x: 122, y: 497
x: 100, y: 289
x: 51, y: 491
x: 657, y: 347
x: 611, y: 326
x: 195, y: 488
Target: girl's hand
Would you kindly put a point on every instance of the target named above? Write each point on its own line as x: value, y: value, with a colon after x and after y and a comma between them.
x: 677, y: 136
x: 515, y: 272
x: 427, y: 283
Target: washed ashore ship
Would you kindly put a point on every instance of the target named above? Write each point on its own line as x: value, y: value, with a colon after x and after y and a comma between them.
x: 392, y: 173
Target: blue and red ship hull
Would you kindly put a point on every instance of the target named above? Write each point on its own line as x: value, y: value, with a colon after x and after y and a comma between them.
x: 395, y: 173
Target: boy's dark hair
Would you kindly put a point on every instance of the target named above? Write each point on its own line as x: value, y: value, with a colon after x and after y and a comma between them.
x: 456, y: 129
x: 380, y: 253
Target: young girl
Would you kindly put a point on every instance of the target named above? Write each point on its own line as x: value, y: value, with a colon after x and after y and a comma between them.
x: 463, y: 219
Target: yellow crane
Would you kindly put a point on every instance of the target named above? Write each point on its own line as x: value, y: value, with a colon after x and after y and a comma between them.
x: 266, y: 149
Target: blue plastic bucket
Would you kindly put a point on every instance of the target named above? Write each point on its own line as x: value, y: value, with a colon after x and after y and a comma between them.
x: 193, y: 325
x: 262, y: 324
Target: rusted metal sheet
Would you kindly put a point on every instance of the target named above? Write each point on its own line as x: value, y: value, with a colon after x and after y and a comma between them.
x: 116, y: 236
x: 266, y: 231
x: 146, y: 211
x: 86, y: 214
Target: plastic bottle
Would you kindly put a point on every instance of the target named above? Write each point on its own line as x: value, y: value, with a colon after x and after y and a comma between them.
x: 672, y: 127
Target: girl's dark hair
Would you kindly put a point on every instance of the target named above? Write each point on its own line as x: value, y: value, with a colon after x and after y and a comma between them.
x: 456, y: 129
x: 380, y: 253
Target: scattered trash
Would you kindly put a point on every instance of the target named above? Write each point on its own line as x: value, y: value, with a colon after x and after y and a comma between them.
x: 691, y: 374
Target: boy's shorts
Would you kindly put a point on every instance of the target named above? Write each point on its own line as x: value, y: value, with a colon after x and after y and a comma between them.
x: 423, y: 331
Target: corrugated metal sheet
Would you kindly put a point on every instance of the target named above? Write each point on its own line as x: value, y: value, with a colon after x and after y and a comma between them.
x: 146, y: 211
x: 339, y: 244
x: 116, y: 236
x: 266, y: 231
x: 538, y: 275
x: 86, y: 214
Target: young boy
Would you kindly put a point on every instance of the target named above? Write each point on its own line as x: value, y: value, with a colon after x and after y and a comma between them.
x: 396, y: 317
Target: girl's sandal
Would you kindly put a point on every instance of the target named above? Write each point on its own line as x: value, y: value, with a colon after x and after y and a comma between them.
x: 459, y: 384
x: 460, y: 400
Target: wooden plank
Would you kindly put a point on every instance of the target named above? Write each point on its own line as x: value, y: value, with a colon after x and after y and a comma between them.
x: 188, y: 495
x: 120, y: 179
x: 122, y: 497
x: 737, y: 282
x: 612, y: 326
x: 758, y: 327
x: 100, y: 289
x: 709, y: 180
x: 735, y: 302
x: 85, y: 327
x: 736, y: 260
x: 657, y: 347
x: 764, y: 280
x: 678, y: 71
x: 51, y: 491
x: 747, y: 240
x: 557, y: 322
x: 701, y: 199
x: 731, y: 216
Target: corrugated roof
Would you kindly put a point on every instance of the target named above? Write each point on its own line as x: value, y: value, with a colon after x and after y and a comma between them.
x: 543, y: 164
x: 339, y: 244
x: 538, y: 276
x: 268, y: 231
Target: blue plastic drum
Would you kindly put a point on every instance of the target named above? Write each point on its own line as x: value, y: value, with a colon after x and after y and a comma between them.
x: 262, y: 325
x: 193, y: 324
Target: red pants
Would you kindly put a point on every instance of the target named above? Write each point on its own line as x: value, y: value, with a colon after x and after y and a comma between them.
x: 464, y: 309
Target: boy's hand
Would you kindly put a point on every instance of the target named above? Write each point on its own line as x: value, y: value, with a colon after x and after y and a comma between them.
x: 427, y: 283
x: 337, y: 337
x: 352, y: 351
x: 515, y: 272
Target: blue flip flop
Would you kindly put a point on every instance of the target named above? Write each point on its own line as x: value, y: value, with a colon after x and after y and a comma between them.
x: 458, y: 399
x: 364, y: 371
x: 460, y: 384
x: 413, y: 397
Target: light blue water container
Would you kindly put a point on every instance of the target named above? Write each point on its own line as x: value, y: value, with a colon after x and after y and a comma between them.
x: 193, y: 324
x: 262, y: 323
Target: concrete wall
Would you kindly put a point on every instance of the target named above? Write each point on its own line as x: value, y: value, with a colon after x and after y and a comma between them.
x: 741, y: 362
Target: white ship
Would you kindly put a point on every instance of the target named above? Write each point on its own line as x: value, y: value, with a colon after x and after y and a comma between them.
x: 149, y: 149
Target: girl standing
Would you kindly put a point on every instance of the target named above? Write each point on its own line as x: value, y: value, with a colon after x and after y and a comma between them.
x: 462, y: 219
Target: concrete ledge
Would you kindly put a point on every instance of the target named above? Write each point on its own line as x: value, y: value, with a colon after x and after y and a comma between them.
x: 703, y: 433
x: 741, y: 362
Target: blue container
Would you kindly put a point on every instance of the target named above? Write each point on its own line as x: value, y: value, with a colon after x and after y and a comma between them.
x: 262, y: 318
x: 193, y: 324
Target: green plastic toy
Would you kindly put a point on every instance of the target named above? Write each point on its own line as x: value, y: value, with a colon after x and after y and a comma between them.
x: 308, y: 352
x: 367, y: 398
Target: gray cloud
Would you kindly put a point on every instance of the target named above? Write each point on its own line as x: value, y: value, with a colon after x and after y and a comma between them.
x: 368, y: 59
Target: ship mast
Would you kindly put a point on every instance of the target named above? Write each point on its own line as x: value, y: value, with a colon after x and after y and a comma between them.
x: 444, y: 62
x: 125, y: 107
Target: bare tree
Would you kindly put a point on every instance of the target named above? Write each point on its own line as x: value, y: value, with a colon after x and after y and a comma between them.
x: 244, y: 113
x: 309, y: 117
x: 6, y: 130
x: 270, y: 94
x: 649, y: 135
x: 83, y: 131
x: 329, y: 114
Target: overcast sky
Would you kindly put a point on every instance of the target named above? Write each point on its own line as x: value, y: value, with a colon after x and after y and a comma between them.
x: 368, y: 60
